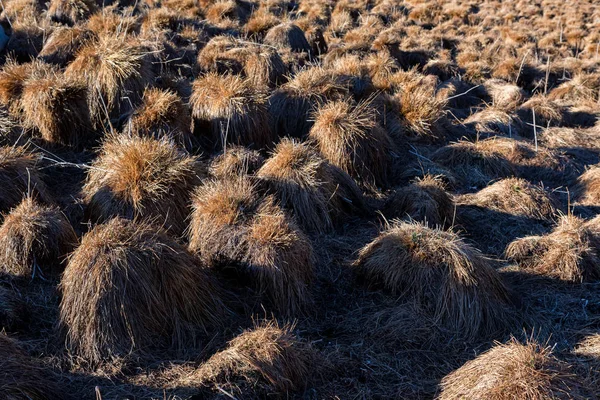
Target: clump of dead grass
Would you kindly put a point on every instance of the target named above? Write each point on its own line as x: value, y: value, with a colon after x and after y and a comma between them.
x: 35, y: 240
x: 425, y: 200
x: 514, y: 370
x: 315, y: 191
x: 269, y: 359
x: 568, y: 253
x: 232, y: 109
x: 515, y: 196
x: 233, y: 226
x: 447, y: 277
x: 350, y: 138
x: 141, y: 177
x: 235, y: 162
x: 129, y: 286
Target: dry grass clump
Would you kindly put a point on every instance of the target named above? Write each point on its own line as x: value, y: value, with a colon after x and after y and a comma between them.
x: 12, y: 79
x: 417, y: 107
x: 291, y: 105
x: 56, y: 106
x: 266, y: 361
x: 129, y: 286
x: 20, y: 176
x: 162, y: 113
x: 424, y: 200
x: 71, y: 11
x: 141, y: 177
x: 447, y: 277
x: 260, y: 64
x: 233, y: 109
x: 505, y: 96
x: 63, y: 43
x: 514, y: 371
x: 515, y: 196
x: 24, y: 378
x: 13, y: 312
x: 587, y: 188
x: 492, y: 121
x: 34, y: 240
x: 477, y: 162
x: 568, y: 253
x: 287, y: 36
x: 547, y: 112
x: 589, y: 346
x: 115, y: 72
x: 582, y: 88
x: 350, y: 138
x: 235, y: 162
x: 315, y: 191
x: 233, y: 227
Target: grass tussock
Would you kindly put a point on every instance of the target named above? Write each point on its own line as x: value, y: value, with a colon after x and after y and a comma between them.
x: 269, y: 358
x: 115, y: 72
x: 141, y: 178
x: 232, y: 109
x: 35, y: 240
x: 233, y: 226
x: 60, y: 48
x: 425, y: 200
x: 162, y: 113
x: 129, y: 286
x: 235, y: 162
x: 316, y: 192
x: 587, y: 187
x: 568, y: 253
x: 450, y: 279
x: 350, y: 138
x: 515, y: 196
x: 514, y: 370
x: 21, y: 176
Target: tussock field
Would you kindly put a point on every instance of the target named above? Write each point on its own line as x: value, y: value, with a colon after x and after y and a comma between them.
x: 299, y: 199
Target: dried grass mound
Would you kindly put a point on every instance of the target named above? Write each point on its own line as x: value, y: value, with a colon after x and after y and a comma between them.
x: 547, y: 112
x: 62, y: 45
x: 589, y: 346
x: 260, y: 64
x: 162, y: 113
x: 265, y: 361
x: 34, y: 240
x: 291, y: 105
x: 56, y: 106
x: 505, y: 96
x: 425, y: 200
x: 587, y: 188
x: 71, y: 12
x: 233, y: 227
x: 287, y: 36
x: 492, y: 121
x: 13, y: 312
x: 484, y: 160
x: 514, y: 371
x: 116, y: 73
x: 515, y: 196
x: 237, y: 161
x: 569, y: 253
x: 447, y: 277
x: 130, y: 285
x: 23, y: 378
x: 418, y: 109
x: 141, y: 177
x: 350, y: 138
x: 234, y: 111
x: 315, y: 191
x: 20, y: 176
x: 12, y: 79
